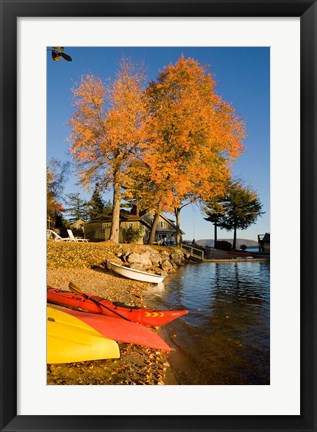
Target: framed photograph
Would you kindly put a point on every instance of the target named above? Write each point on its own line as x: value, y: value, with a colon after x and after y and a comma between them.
x: 33, y: 35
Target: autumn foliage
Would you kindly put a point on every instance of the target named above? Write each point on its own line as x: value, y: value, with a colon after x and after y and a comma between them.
x: 106, y: 131
x: 193, y: 136
x: 164, y: 146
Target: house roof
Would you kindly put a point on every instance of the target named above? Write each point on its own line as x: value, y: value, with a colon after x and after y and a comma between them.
x: 81, y: 221
x: 172, y: 223
x: 127, y: 216
x: 169, y: 221
x: 124, y: 217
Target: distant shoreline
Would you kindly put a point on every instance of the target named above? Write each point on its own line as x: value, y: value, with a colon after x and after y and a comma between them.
x: 240, y: 241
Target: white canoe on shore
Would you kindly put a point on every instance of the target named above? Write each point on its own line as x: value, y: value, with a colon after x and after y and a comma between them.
x: 131, y: 273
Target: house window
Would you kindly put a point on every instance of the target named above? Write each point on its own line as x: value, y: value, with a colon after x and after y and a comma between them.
x: 161, y: 224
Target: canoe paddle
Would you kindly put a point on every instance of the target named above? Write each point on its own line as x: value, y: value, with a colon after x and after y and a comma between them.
x: 77, y: 290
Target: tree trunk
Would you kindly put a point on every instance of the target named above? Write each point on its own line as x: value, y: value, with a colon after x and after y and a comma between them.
x: 154, y: 225
x: 178, y: 223
x: 215, y: 234
x: 115, y: 226
x: 234, y: 246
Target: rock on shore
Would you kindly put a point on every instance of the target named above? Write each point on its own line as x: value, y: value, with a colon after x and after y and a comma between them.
x: 146, y: 258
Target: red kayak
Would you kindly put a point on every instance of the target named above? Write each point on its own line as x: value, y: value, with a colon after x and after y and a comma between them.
x: 120, y: 330
x: 106, y: 307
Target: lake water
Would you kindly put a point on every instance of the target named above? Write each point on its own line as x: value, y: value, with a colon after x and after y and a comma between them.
x: 225, y: 338
x: 252, y: 249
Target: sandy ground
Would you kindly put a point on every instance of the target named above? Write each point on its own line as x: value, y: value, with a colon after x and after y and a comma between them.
x: 137, y: 365
x: 99, y: 282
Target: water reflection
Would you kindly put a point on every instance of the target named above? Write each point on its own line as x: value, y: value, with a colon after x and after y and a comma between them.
x: 225, y: 337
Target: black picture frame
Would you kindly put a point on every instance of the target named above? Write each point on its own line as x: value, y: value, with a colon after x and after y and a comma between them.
x: 10, y: 11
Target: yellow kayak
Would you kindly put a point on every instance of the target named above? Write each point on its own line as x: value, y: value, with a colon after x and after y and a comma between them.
x: 71, y: 340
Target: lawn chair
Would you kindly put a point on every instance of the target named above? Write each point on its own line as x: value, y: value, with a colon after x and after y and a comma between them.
x: 53, y: 235
x: 76, y: 239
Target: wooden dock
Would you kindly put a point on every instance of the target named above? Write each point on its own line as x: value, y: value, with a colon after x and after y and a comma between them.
x: 219, y: 256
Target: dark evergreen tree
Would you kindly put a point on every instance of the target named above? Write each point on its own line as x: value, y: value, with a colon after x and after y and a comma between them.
x: 96, y: 204
x: 56, y: 174
x: 242, y: 208
x: 107, y: 209
x: 214, y: 211
x: 77, y: 208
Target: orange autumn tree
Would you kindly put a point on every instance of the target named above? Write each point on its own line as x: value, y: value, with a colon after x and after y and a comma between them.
x: 145, y: 193
x: 107, y: 129
x: 139, y: 190
x: 193, y: 136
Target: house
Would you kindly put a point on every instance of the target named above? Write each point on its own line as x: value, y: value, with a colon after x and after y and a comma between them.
x: 78, y: 225
x: 131, y: 226
x: 166, y: 229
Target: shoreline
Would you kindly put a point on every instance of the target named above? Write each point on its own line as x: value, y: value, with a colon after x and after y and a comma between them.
x: 170, y: 376
x: 137, y: 365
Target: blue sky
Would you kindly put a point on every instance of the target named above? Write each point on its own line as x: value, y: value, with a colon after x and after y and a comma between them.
x: 243, y: 79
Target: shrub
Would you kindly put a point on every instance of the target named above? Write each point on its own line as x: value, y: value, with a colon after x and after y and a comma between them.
x: 243, y: 247
x: 223, y: 245
x: 132, y: 235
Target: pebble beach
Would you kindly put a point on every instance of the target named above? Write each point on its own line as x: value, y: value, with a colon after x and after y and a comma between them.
x: 84, y: 265
x: 137, y: 365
